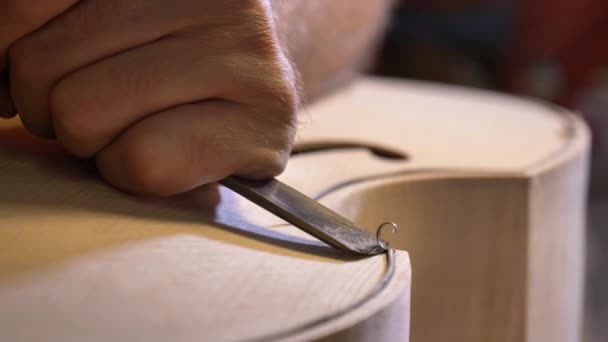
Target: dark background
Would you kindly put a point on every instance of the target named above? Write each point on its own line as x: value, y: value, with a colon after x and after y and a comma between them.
x: 552, y: 49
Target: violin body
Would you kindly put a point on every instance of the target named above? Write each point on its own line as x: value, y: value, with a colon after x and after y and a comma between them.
x: 488, y: 191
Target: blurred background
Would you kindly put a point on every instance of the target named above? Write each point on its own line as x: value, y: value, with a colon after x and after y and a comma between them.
x: 556, y: 50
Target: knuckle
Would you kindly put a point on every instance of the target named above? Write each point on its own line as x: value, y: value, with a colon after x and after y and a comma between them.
x: 285, y: 99
x: 268, y: 153
x: 271, y: 86
x: 267, y: 163
x: 276, y: 162
x: 35, y: 62
x: 284, y: 123
x: 142, y: 169
x: 260, y: 40
x: 280, y: 83
x: 25, y: 61
x: 279, y: 107
x: 256, y: 28
x: 29, y: 73
x: 71, y: 116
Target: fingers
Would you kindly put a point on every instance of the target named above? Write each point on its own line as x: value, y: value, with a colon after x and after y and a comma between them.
x: 87, y: 32
x: 18, y: 18
x: 187, y: 146
x: 91, y: 106
x: 166, y: 98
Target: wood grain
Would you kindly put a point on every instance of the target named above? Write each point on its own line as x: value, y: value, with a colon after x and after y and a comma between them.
x: 489, y: 201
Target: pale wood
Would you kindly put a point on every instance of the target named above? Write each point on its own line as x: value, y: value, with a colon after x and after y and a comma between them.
x: 490, y: 204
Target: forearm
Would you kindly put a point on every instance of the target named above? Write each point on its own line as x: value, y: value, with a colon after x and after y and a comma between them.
x: 329, y: 41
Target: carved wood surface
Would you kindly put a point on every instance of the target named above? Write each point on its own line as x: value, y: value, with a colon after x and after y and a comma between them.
x: 490, y: 203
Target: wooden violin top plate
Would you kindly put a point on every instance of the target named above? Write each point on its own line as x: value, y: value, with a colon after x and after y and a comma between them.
x: 82, y: 261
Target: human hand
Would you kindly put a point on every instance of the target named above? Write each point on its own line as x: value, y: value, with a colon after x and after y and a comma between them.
x: 17, y: 18
x: 166, y: 98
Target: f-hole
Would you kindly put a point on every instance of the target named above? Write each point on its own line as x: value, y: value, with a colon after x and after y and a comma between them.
x: 377, y: 150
